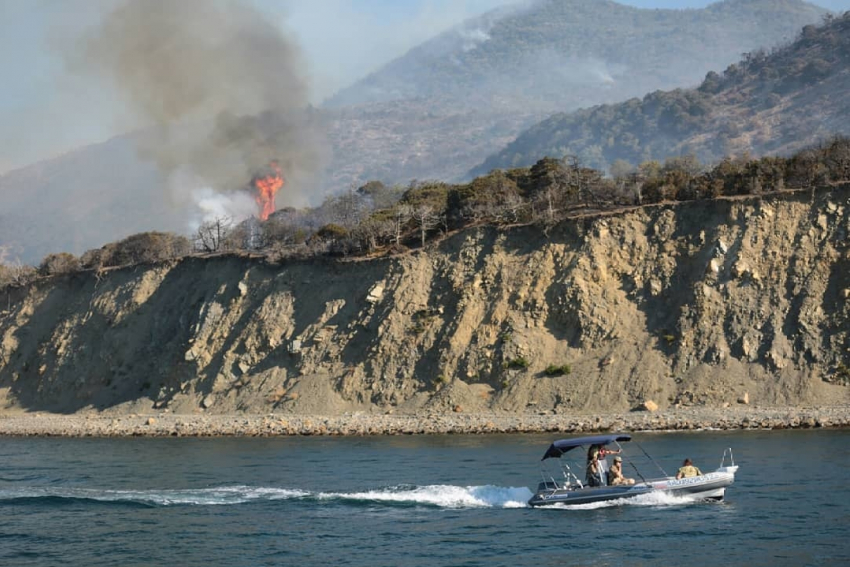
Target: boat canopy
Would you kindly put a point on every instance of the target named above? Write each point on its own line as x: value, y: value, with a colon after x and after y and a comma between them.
x: 561, y: 446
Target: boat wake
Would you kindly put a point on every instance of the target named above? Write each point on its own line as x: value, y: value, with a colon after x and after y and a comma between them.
x: 440, y: 496
x: 443, y: 496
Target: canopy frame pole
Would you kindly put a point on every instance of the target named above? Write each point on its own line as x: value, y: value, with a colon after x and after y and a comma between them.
x: 544, y: 472
x: 654, y: 462
x: 637, y: 472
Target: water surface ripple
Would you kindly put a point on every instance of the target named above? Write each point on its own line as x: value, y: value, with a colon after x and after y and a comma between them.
x: 440, y: 500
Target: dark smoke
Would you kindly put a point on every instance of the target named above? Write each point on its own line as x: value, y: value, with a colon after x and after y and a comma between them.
x: 220, y: 87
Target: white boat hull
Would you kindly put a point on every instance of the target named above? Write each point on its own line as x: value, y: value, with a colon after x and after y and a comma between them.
x: 709, y: 486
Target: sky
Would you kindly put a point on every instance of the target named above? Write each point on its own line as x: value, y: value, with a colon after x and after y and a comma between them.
x: 46, y: 108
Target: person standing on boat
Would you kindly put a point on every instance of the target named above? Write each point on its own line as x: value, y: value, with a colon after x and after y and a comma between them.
x: 597, y: 466
x: 615, y: 475
x: 603, y: 463
x: 688, y: 470
x: 593, y: 476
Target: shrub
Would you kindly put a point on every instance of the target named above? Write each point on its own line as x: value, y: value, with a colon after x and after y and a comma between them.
x: 145, y: 247
x: 518, y: 362
x: 93, y: 259
x: 60, y: 263
x: 332, y: 232
x: 17, y: 275
x: 553, y: 370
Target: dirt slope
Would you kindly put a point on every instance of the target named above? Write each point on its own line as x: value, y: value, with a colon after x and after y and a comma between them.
x: 690, y: 304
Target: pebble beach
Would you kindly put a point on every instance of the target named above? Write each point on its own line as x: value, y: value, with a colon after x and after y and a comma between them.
x: 280, y: 424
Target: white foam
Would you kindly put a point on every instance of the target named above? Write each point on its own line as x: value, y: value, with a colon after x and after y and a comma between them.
x: 657, y: 498
x: 169, y: 497
x: 445, y: 496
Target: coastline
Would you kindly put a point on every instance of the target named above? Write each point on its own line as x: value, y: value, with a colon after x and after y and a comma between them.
x: 42, y: 424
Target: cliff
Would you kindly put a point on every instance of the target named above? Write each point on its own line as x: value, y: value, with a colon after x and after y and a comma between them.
x: 693, y: 304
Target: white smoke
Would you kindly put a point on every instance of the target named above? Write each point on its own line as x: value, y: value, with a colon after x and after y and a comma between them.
x: 211, y: 205
x: 472, y: 38
x: 205, y: 204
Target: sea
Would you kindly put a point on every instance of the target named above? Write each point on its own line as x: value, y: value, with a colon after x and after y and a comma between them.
x: 411, y: 500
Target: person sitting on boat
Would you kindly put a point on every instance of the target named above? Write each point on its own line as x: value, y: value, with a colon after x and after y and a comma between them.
x: 688, y: 470
x: 615, y: 475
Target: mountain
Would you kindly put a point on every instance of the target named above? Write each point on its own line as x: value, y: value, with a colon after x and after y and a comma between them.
x: 768, y: 103
x: 450, y: 102
x: 436, y: 112
x: 528, y: 54
x: 80, y: 200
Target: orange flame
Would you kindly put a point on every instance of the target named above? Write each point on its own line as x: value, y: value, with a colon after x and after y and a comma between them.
x: 267, y: 186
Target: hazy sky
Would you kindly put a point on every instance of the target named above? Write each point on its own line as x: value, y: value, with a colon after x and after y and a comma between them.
x: 46, y: 110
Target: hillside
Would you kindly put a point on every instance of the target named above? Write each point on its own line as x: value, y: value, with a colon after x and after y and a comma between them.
x: 444, y: 106
x: 71, y: 203
x: 768, y: 103
x: 694, y: 304
x: 434, y: 113
x: 529, y: 53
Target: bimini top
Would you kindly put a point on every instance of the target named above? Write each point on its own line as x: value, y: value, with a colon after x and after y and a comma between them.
x: 561, y: 446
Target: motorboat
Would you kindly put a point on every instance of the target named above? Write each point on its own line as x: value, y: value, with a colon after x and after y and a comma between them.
x: 569, y: 484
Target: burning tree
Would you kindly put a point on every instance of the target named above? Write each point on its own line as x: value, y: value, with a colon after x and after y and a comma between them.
x: 266, y: 186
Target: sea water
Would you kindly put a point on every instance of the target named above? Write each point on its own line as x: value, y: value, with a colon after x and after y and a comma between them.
x: 437, y: 500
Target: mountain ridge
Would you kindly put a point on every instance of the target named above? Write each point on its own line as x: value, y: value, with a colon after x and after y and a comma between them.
x: 767, y: 103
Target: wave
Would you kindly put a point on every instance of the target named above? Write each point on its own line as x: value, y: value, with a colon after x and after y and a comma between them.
x: 441, y: 496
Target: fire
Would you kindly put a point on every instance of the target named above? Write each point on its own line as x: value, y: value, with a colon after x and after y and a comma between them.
x: 266, y: 187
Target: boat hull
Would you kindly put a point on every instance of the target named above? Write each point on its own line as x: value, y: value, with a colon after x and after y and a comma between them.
x: 710, y: 486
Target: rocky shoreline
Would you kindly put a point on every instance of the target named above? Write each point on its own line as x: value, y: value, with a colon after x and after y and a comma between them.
x: 358, y: 424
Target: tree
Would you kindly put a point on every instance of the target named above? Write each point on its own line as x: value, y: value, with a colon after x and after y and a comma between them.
x: 211, y: 235
x: 333, y: 238
x: 401, y: 215
x: 16, y: 274
x: 372, y: 232
x: 548, y: 181
x: 346, y: 209
x: 282, y: 232
x: 379, y: 195
x: 425, y: 218
x: 621, y: 169
x: 837, y: 158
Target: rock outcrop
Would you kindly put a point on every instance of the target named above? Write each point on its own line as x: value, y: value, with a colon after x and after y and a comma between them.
x: 694, y: 304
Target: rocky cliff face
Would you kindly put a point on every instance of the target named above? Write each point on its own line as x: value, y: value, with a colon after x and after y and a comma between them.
x: 699, y: 303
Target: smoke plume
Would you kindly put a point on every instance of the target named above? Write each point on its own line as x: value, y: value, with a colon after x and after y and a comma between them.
x: 220, y: 90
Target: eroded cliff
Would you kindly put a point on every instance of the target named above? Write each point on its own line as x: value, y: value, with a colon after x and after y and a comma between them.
x: 692, y: 304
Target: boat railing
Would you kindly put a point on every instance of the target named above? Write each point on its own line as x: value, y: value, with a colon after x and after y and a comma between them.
x: 568, y: 472
x: 570, y: 478
x: 549, y: 481
x: 731, y: 458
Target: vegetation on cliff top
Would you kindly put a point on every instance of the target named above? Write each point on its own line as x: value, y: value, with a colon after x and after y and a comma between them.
x: 377, y: 219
